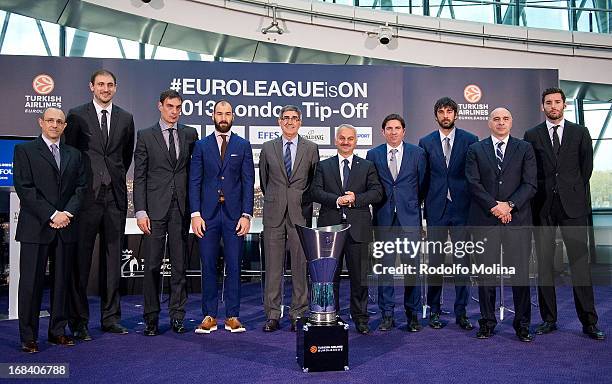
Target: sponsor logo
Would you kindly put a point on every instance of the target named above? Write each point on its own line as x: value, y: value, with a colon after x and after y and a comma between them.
x: 364, y: 135
x: 326, y: 348
x: 472, y: 93
x: 259, y: 134
x: 313, y: 349
x: 43, y: 84
x: 319, y: 135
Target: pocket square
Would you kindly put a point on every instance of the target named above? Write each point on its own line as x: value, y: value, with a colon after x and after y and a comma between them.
x: 233, y: 154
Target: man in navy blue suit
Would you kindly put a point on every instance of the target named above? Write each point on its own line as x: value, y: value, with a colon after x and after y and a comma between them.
x: 401, y: 170
x: 502, y: 176
x: 446, y: 204
x: 221, y: 183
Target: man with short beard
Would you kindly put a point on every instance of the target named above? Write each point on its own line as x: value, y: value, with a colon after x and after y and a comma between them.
x: 221, y: 182
x: 564, y: 154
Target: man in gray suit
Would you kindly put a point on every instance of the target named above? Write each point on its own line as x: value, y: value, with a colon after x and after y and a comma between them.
x: 286, y: 169
x: 161, y: 164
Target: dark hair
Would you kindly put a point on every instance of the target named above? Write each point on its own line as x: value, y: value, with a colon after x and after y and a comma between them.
x: 445, y: 102
x: 552, y: 90
x: 290, y: 108
x: 99, y: 72
x: 221, y: 102
x: 170, y: 94
x: 393, y: 116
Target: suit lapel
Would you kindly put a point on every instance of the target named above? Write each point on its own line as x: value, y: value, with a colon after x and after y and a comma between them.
x: 277, y: 144
x: 490, y: 152
x: 180, y: 130
x: 546, y: 143
x: 355, y: 172
x: 509, y: 153
x: 404, y: 163
x: 299, y: 154
x: 382, y: 159
x: 114, y: 126
x: 231, y: 144
x: 438, y: 153
x: 64, y: 159
x: 336, y: 171
x: 454, y: 150
x: 159, y: 137
x: 214, y: 148
x: 94, y: 124
x: 45, y: 152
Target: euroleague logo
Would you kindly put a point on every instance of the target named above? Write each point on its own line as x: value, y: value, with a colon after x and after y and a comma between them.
x: 472, y: 93
x: 313, y: 349
x: 43, y: 84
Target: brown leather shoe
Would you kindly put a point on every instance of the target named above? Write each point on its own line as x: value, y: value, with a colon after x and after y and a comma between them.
x: 29, y: 347
x: 233, y: 325
x: 208, y: 325
x: 61, y: 340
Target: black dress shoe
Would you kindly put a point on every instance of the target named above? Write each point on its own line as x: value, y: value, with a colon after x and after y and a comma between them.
x: 524, y: 335
x: 178, y: 326
x: 29, y: 347
x: 434, y: 321
x: 81, y: 333
x: 362, y: 327
x: 152, y: 328
x: 593, y: 332
x: 115, y: 328
x: 413, y: 323
x: 61, y: 340
x: 293, y: 327
x: 484, y: 332
x: 387, y: 323
x: 546, y: 327
x: 464, y: 322
x: 271, y: 325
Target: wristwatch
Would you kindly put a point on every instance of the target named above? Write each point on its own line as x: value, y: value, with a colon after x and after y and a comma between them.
x: 511, y: 204
x: 248, y: 217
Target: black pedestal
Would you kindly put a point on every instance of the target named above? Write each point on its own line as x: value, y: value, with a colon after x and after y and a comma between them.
x: 322, y: 347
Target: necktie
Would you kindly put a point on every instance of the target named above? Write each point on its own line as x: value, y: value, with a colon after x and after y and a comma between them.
x: 346, y: 172
x: 287, y: 158
x: 447, y: 150
x: 56, y: 154
x: 393, y: 163
x: 556, y: 141
x: 223, y: 146
x: 499, y: 155
x: 104, y: 127
x: 172, y: 147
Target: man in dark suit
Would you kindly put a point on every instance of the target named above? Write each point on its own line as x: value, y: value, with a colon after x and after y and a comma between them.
x: 564, y: 154
x: 401, y: 170
x: 286, y: 169
x: 345, y: 186
x: 161, y: 164
x: 501, y: 175
x: 446, y: 204
x: 50, y: 181
x: 221, y: 189
x: 104, y: 133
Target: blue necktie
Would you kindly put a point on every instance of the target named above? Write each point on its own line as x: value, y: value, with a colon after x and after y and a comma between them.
x: 346, y: 172
x: 499, y: 155
x: 287, y: 159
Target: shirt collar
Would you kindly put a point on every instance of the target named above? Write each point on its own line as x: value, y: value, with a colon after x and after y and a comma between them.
x: 496, y: 140
x: 451, y: 135
x: 218, y: 134
x: 294, y: 140
x: 550, y: 125
x: 164, y: 126
x: 49, y: 142
x: 99, y: 107
x: 399, y: 148
x: 341, y: 159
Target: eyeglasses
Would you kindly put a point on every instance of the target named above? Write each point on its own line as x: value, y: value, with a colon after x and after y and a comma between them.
x: 290, y: 118
x: 58, y: 121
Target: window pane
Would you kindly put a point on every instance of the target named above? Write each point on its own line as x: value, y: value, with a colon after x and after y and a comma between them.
x: 601, y: 181
x: 22, y: 37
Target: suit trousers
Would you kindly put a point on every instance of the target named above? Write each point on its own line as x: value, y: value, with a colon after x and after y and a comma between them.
x: 276, y: 242
x: 448, y: 225
x: 386, y: 284
x: 32, y: 266
x: 221, y: 226
x: 574, y: 231
x: 168, y: 233
x: 101, y: 216
x: 516, y: 247
x: 356, y: 255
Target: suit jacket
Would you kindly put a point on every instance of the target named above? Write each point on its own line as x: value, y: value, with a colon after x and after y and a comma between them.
x: 155, y: 180
x: 440, y: 178
x: 235, y: 176
x: 363, y: 181
x: 403, y: 193
x: 43, y: 189
x: 287, y: 195
x: 572, y: 170
x: 83, y: 132
x: 515, y: 182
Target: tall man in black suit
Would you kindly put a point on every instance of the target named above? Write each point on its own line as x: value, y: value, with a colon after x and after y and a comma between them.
x: 345, y: 185
x: 161, y: 165
x: 501, y: 175
x: 104, y: 133
x: 50, y: 182
x: 564, y: 154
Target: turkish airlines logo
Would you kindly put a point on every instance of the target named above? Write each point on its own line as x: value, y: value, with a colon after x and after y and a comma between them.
x: 472, y: 93
x: 43, y: 84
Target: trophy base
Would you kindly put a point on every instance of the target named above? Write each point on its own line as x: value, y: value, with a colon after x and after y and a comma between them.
x: 322, y: 347
x: 323, y: 318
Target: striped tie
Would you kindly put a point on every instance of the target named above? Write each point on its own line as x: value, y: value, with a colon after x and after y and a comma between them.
x: 499, y: 155
x: 287, y: 158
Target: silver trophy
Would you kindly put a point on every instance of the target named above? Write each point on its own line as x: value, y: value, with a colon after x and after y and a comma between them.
x: 322, y: 247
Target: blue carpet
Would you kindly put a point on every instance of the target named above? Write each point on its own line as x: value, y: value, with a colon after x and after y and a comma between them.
x: 446, y: 355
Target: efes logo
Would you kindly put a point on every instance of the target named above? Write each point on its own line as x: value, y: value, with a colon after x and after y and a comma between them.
x: 472, y: 93
x: 43, y: 84
x: 313, y: 349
